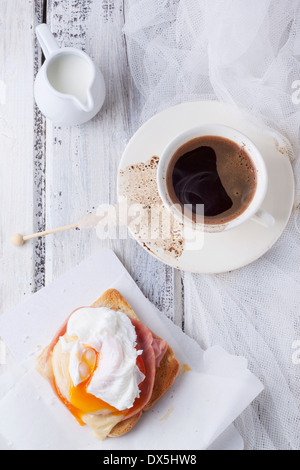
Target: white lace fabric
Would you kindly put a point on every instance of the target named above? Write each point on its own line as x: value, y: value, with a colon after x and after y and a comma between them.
x: 246, y: 54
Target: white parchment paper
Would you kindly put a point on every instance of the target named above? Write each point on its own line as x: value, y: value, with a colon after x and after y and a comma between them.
x: 196, y: 413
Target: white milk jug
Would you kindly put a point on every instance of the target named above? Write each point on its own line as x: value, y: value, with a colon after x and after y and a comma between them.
x: 69, y: 89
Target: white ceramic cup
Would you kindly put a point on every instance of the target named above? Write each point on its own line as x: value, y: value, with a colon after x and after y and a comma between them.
x: 253, y: 211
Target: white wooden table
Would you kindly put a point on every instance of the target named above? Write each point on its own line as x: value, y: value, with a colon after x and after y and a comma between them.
x: 51, y: 176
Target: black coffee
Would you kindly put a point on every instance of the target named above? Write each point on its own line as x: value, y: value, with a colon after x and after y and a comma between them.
x: 214, y: 172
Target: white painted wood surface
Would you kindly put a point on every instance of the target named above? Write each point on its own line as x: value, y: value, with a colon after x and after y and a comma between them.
x: 52, y: 176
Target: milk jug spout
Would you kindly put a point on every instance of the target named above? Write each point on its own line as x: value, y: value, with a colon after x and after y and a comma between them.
x: 88, y: 105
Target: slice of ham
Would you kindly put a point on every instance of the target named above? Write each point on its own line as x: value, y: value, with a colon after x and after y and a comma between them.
x: 160, y: 347
x: 153, y: 349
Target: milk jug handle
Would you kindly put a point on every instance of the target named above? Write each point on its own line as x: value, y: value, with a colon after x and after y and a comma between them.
x: 46, y: 39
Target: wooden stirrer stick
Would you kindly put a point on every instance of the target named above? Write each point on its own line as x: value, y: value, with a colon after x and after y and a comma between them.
x: 18, y: 240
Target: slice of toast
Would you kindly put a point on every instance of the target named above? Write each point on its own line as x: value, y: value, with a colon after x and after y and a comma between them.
x: 165, y: 375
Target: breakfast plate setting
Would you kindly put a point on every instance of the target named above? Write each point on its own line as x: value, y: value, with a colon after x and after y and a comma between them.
x: 197, y: 196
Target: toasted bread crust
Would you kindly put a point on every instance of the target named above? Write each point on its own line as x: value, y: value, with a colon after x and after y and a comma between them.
x: 125, y: 426
x: 165, y: 374
x: 113, y: 299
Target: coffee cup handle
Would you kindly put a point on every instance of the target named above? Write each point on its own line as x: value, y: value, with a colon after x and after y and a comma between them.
x: 264, y: 218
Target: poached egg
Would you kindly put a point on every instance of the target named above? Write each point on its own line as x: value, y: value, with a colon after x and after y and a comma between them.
x: 103, y: 358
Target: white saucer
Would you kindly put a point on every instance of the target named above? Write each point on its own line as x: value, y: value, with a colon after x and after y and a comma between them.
x: 223, y: 251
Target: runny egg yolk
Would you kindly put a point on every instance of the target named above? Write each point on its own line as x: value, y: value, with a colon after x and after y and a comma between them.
x: 82, y: 402
x: 80, y: 399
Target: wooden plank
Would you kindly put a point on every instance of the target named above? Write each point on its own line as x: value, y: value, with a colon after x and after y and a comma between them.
x: 39, y: 160
x: 82, y: 162
x: 74, y: 155
x: 17, y: 205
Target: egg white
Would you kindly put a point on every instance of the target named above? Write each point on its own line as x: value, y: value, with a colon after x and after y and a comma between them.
x: 116, y: 378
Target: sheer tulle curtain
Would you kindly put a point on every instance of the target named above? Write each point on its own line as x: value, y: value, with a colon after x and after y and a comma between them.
x: 246, y: 54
